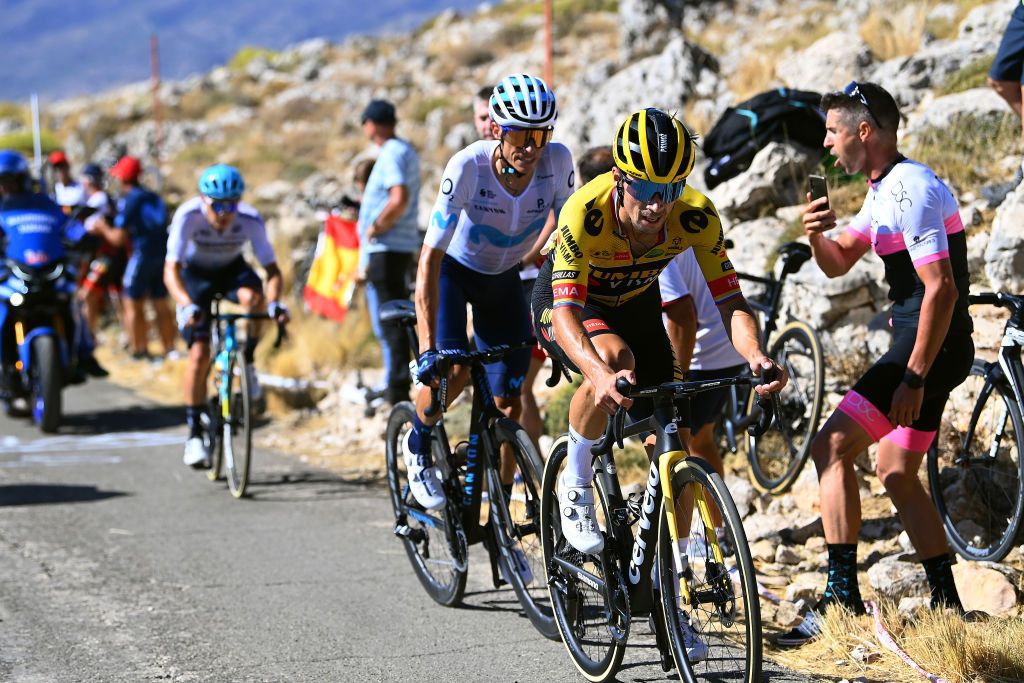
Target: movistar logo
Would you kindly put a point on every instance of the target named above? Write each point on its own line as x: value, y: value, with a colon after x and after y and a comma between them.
x: 498, y: 238
x: 444, y: 224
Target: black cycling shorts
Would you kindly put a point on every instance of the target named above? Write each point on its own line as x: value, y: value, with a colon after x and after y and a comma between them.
x: 870, y: 399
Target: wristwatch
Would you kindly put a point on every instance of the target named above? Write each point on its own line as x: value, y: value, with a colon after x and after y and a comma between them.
x: 913, y: 380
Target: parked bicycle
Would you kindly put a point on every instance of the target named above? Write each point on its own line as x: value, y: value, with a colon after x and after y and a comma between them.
x: 975, y: 469
x: 777, y: 457
x: 437, y: 541
x: 229, y: 420
x: 702, y: 597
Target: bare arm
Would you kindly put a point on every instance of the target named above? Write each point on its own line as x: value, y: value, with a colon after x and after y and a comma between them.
x: 398, y: 201
x: 175, y: 284
x: 743, y: 330
x: 681, y: 325
x: 274, y: 281
x: 835, y: 257
x: 428, y: 288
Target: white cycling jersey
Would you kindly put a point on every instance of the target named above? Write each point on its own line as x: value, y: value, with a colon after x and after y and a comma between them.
x: 193, y: 242
x: 479, y: 223
x: 713, y: 349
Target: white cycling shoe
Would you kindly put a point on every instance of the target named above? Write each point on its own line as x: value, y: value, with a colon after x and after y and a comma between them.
x: 424, y: 482
x: 696, y: 648
x: 578, y: 524
x: 196, y: 454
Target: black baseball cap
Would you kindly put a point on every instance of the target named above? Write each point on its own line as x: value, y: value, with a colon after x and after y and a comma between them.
x: 379, y: 111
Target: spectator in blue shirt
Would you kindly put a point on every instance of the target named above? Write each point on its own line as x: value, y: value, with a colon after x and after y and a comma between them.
x: 389, y: 237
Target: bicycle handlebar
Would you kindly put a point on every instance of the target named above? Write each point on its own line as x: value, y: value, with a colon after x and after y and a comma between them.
x: 282, y: 331
x: 616, y: 431
x: 450, y: 357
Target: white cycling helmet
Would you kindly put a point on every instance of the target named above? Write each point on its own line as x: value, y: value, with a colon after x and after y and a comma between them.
x: 523, y: 101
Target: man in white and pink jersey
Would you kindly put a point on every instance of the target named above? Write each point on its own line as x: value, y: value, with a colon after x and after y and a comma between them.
x: 911, y: 220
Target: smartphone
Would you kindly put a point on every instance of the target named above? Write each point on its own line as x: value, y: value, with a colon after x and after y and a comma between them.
x: 819, y: 188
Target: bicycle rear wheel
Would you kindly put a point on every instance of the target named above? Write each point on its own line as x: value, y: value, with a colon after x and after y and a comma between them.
x: 724, y: 610
x: 975, y: 470
x: 236, y: 429
x: 580, y: 610
x: 777, y: 457
x: 516, y: 522
x: 433, y: 539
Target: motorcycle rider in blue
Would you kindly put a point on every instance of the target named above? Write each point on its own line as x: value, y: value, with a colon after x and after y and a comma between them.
x: 33, y: 232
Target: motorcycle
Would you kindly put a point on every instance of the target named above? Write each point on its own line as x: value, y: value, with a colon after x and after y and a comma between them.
x: 36, y: 351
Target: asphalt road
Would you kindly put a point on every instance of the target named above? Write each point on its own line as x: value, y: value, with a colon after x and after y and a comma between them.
x: 118, y: 563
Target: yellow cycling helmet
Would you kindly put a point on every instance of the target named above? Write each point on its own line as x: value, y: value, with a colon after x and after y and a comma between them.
x: 655, y: 146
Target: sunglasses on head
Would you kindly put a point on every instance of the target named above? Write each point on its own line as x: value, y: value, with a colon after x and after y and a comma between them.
x: 222, y: 206
x: 522, y: 137
x: 853, y: 90
x: 645, y: 190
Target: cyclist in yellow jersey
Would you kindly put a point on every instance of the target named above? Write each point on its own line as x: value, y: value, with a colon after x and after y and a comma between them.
x: 597, y: 306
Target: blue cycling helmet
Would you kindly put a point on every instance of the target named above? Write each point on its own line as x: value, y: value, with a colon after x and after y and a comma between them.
x: 221, y: 181
x: 12, y: 163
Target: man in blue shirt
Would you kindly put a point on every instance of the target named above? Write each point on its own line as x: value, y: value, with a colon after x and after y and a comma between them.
x: 389, y: 237
x: 141, y: 222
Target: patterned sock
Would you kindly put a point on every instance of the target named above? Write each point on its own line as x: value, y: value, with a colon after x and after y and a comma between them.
x: 419, y: 441
x: 939, y: 570
x: 192, y: 414
x: 842, y: 587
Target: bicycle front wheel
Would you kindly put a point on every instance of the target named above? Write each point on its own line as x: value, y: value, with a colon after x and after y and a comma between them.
x: 433, y: 540
x: 975, y: 468
x: 211, y: 438
x: 236, y: 429
x: 581, y: 612
x: 777, y: 457
x: 715, y: 634
x: 516, y: 520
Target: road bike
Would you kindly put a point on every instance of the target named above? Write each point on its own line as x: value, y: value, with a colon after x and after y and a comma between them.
x: 227, y: 425
x: 975, y: 470
x: 688, y: 573
x: 437, y: 541
x: 778, y: 456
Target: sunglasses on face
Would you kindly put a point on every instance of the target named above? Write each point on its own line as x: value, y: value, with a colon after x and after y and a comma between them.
x: 222, y: 206
x: 645, y: 190
x: 853, y: 90
x: 523, y: 137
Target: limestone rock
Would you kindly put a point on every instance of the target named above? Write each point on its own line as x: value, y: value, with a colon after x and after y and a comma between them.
x: 777, y: 177
x: 894, y: 578
x: 789, y: 614
x: 1004, y: 257
x: 838, y: 58
x: 985, y: 589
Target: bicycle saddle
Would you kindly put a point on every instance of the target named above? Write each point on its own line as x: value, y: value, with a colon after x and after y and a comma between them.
x: 398, y: 311
x: 794, y: 255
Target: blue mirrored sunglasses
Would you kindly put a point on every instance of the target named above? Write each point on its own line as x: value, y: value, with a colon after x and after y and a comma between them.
x: 853, y: 90
x: 222, y: 206
x: 645, y: 190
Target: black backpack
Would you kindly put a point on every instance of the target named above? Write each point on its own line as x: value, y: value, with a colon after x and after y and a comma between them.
x: 780, y: 115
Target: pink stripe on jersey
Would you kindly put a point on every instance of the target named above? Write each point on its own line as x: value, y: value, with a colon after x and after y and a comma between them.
x: 914, y: 440
x: 889, y: 243
x: 954, y: 223
x: 862, y: 236
x: 864, y: 413
x: 931, y: 258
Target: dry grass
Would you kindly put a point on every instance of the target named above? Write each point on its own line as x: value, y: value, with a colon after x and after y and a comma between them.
x: 753, y: 76
x: 896, y: 34
x: 943, y: 644
x: 962, y: 154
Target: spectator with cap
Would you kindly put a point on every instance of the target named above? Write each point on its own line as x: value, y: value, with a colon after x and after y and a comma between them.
x: 66, y: 191
x: 103, y: 272
x: 389, y: 236
x: 141, y: 223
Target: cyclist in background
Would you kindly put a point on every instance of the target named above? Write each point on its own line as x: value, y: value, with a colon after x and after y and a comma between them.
x: 597, y: 306
x: 494, y: 201
x: 912, y: 221
x: 106, y: 266
x: 204, y: 259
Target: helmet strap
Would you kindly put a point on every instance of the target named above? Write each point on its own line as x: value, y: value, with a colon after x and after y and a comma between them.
x: 506, y: 166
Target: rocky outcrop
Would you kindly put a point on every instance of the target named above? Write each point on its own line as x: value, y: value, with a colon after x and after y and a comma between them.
x: 1004, y: 257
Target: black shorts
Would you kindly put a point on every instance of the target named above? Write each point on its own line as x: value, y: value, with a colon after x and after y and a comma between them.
x: 204, y: 285
x: 870, y: 399
x: 1008, y: 62
x: 707, y: 406
x: 637, y: 322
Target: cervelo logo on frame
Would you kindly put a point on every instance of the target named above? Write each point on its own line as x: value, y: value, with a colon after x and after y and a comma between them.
x: 646, y: 510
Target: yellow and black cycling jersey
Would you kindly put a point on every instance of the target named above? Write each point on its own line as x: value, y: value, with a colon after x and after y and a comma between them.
x: 593, y: 259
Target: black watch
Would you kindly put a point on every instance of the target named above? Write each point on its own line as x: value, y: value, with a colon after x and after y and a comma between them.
x: 913, y: 380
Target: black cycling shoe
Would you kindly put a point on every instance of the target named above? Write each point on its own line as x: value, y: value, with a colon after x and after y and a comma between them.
x: 90, y: 366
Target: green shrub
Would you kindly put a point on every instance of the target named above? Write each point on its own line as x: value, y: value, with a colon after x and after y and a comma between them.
x: 22, y: 141
x: 962, y: 152
x: 556, y: 417
x: 247, y: 54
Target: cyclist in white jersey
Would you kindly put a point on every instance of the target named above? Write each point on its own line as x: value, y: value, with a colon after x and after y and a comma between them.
x: 204, y: 259
x: 494, y: 200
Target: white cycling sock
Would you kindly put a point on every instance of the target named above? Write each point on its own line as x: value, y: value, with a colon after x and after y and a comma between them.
x: 579, y: 470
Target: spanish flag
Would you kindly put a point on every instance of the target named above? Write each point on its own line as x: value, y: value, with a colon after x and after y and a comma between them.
x: 331, y: 282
